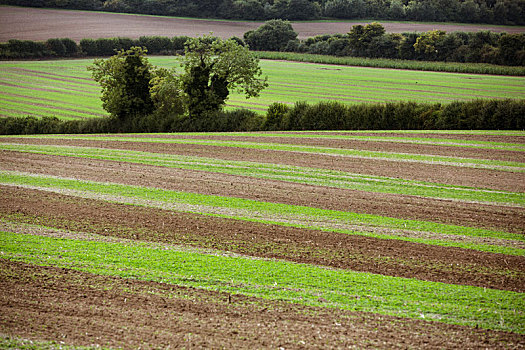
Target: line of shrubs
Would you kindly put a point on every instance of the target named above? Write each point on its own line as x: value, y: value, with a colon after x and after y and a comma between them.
x: 362, y: 41
x: 65, y: 47
x: 330, y: 115
x: 372, y: 40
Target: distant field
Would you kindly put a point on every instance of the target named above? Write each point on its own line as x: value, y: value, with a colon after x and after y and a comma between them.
x: 42, y: 24
x: 264, y: 240
x: 64, y: 88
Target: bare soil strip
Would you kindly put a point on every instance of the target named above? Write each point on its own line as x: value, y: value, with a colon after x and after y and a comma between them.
x: 386, y: 257
x: 451, y: 175
x: 42, y: 24
x: 472, y: 137
x: 383, y: 146
x: 46, y: 303
x: 509, y: 219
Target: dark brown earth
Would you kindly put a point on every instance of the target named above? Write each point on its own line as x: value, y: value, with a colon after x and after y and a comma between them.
x: 386, y: 257
x: 42, y: 24
x: 84, y: 309
x: 380, y: 146
x: 498, y: 217
x: 452, y: 175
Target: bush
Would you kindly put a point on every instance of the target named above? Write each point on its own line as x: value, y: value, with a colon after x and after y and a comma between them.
x: 273, y: 35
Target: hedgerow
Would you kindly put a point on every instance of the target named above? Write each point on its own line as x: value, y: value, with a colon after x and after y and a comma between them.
x: 505, y: 114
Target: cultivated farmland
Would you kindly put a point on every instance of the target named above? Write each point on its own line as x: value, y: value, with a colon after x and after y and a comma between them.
x: 26, y: 23
x: 250, y: 240
x: 65, y: 89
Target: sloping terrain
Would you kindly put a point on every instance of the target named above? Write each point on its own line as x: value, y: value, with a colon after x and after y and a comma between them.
x: 293, y: 240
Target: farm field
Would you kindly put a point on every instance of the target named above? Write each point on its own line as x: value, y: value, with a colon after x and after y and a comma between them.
x: 26, y: 23
x: 65, y: 89
x: 264, y: 240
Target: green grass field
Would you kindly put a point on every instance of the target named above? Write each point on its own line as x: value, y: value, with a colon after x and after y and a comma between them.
x: 64, y: 88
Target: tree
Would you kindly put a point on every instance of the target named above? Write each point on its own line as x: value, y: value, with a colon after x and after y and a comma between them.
x: 212, y: 68
x: 427, y: 43
x: 125, y: 81
x: 360, y: 37
x: 273, y: 35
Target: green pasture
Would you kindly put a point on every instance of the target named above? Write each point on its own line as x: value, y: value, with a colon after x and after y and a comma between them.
x: 64, y: 88
x: 376, y: 226
x: 281, y: 172
x: 276, y: 280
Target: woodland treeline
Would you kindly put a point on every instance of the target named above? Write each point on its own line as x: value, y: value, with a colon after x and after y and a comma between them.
x: 509, y: 12
x: 369, y: 40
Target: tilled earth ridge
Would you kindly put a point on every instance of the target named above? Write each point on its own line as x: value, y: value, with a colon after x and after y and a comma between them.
x: 495, y: 216
x: 451, y: 175
x: 48, y: 303
x: 387, y: 257
x: 379, y: 146
x: 445, y: 136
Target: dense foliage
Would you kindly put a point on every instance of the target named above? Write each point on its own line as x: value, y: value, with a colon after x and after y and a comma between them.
x: 214, y: 67
x: 475, y: 11
x: 368, y: 40
x: 330, y: 115
x: 372, y: 41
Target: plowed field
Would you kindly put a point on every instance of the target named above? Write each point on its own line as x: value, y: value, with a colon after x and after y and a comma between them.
x: 264, y: 240
x: 41, y: 24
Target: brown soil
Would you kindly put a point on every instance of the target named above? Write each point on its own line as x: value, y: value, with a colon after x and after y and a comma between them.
x: 386, y: 257
x: 46, y: 303
x: 382, y: 146
x: 42, y: 24
x: 452, y: 175
x: 509, y: 219
x: 472, y: 137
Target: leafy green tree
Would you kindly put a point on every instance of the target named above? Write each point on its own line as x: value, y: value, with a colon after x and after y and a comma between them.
x: 212, y: 68
x: 273, y: 35
x: 125, y: 81
x: 360, y: 37
x: 427, y: 43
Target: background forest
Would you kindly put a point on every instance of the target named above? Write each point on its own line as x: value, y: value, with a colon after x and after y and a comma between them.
x: 474, y: 11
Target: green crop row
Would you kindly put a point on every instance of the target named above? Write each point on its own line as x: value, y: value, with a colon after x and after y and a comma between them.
x: 311, y: 176
x: 277, y: 280
x: 352, y: 137
x: 476, y: 68
x: 290, y: 82
x: 281, y: 214
x: 433, y: 159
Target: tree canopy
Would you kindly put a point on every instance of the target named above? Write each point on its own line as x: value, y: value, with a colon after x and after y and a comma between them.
x: 212, y: 68
x: 125, y: 81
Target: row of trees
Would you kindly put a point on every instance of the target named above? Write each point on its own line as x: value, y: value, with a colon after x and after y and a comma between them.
x: 371, y: 40
x: 65, y: 47
x: 475, y: 11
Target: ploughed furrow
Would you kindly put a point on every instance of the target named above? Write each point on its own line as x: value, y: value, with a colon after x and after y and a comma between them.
x: 493, y: 216
x: 379, y: 146
x: 49, y: 303
x: 420, y: 171
x: 483, y: 136
x: 352, y: 252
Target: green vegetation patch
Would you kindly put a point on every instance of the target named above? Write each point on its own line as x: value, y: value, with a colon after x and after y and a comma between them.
x: 476, y: 68
x: 278, y: 280
x: 289, y: 82
x: 283, y: 214
x: 311, y: 176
